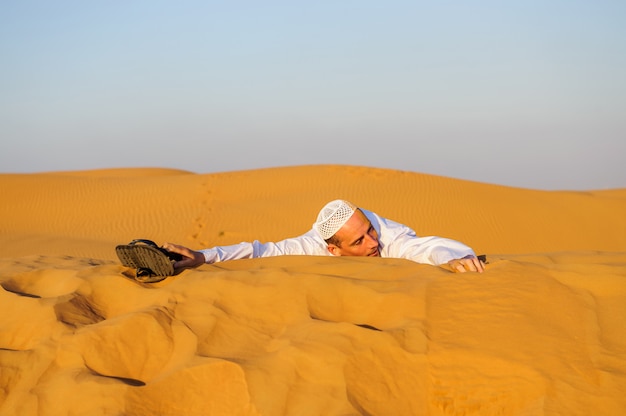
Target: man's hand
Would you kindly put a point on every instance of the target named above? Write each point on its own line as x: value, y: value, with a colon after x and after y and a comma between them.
x: 191, y: 258
x: 467, y: 264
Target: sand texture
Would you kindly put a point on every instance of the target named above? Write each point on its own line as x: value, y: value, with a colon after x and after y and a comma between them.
x: 541, y: 332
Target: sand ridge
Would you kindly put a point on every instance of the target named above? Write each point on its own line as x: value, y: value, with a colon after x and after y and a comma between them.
x: 540, y: 333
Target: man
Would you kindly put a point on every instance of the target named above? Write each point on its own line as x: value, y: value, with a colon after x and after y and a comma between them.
x: 342, y: 229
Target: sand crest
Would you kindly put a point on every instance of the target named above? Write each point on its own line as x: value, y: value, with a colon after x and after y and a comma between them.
x: 541, y: 332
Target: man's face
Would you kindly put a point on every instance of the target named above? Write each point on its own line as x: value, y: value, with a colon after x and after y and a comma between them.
x: 356, y: 238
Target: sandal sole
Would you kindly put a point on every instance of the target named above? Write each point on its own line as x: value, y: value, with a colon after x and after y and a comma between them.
x: 145, y: 257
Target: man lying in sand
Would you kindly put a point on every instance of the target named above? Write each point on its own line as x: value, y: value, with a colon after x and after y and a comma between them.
x: 342, y: 229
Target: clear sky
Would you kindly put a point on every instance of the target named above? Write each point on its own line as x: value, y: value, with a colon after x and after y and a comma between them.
x: 520, y: 93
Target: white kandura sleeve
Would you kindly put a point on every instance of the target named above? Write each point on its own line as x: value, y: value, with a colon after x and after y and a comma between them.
x: 305, y: 244
x: 432, y: 250
x: 401, y: 241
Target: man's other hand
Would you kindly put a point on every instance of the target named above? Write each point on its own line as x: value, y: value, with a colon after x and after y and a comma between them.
x: 191, y: 258
x: 467, y: 264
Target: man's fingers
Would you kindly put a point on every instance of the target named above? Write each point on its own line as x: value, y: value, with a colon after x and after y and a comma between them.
x: 470, y: 265
x: 457, y: 266
x: 474, y: 265
x: 186, y: 262
x: 175, y: 248
x: 184, y: 251
x: 466, y: 264
x: 190, y: 259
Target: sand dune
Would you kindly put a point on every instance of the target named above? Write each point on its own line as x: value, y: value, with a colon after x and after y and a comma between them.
x: 541, y: 332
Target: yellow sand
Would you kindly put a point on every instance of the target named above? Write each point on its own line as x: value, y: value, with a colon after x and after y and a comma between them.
x: 541, y: 332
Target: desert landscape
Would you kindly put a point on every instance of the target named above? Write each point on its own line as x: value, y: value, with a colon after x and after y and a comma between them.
x: 541, y: 332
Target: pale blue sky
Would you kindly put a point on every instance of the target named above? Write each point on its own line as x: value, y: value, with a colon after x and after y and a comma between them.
x: 520, y: 93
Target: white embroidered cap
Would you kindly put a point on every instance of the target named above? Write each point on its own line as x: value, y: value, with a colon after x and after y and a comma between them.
x: 332, y: 217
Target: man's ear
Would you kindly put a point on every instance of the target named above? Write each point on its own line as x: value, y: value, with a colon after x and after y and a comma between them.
x: 333, y: 249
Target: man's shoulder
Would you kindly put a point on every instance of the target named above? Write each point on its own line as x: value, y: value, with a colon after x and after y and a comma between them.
x: 311, y: 234
x: 388, y: 229
x: 378, y: 220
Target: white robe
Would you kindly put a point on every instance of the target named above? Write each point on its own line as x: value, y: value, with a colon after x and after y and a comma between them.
x: 396, y: 240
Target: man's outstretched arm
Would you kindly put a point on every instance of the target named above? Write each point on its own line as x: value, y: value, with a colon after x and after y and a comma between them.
x: 305, y: 244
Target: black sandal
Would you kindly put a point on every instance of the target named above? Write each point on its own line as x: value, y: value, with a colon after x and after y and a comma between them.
x: 152, y: 262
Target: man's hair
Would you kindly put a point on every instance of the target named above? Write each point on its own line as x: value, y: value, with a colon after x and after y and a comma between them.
x: 333, y: 240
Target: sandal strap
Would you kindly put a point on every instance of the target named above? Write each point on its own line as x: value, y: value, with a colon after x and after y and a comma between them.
x: 169, y: 254
x: 143, y: 241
